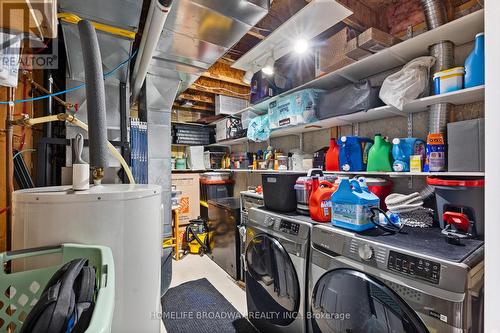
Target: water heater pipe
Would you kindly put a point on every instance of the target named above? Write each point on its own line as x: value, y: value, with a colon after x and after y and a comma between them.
x: 96, y: 98
x: 72, y: 119
x: 157, y: 15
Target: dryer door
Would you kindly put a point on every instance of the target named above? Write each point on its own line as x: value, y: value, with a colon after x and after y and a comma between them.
x: 345, y: 300
x: 273, y: 292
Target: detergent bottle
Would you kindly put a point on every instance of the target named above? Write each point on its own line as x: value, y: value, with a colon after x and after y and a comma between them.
x: 403, y: 149
x: 351, y: 204
x: 379, y: 156
x: 332, y: 156
x: 474, y: 64
x: 320, y: 201
x: 351, y: 153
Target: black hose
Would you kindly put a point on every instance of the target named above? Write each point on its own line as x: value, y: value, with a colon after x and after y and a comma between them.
x: 390, y: 227
x: 96, y: 98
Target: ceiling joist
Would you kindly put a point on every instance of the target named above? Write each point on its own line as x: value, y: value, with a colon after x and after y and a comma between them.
x: 194, y: 108
x: 197, y: 98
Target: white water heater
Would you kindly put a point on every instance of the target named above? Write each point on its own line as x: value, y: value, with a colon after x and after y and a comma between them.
x: 127, y: 218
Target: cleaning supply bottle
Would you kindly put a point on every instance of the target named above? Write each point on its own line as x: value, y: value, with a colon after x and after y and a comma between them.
x: 351, y: 204
x: 332, y: 156
x: 351, y: 153
x: 320, y: 201
x: 403, y: 149
x: 379, y: 156
x: 474, y: 64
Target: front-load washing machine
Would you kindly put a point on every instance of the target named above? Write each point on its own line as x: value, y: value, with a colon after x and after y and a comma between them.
x: 277, y: 250
x: 406, y: 282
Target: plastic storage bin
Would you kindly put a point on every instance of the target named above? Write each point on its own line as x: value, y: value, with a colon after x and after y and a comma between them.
x: 279, y: 191
x: 22, y: 288
x: 448, y: 80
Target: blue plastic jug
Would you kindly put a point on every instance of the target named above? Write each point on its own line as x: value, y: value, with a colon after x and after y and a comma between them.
x: 351, y: 205
x: 402, y: 150
x: 474, y: 64
x: 351, y: 153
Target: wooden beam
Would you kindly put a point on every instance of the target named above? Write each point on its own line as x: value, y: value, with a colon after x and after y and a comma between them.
x: 217, y: 90
x: 226, y: 60
x: 224, y: 78
x: 194, y: 108
x: 223, y: 72
x: 208, y: 85
x: 255, y: 33
x: 197, y: 98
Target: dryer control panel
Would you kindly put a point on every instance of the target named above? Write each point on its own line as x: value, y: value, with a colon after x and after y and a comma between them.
x: 412, y: 266
x: 289, y: 227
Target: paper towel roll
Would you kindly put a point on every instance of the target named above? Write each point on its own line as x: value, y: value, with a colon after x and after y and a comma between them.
x: 81, y: 177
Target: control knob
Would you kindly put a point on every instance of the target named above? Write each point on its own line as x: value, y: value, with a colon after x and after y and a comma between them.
x: 365, y: 252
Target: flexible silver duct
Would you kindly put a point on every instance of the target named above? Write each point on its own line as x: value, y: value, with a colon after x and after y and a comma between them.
x: 435, y: 16
x: 96, y: 101
x: 435, y: 13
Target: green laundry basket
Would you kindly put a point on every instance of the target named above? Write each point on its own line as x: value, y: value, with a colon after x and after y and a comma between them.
x: 20, y: 290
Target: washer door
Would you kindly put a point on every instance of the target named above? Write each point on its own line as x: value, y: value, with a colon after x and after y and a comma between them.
x: 345, y: 300
x: 273, y: 292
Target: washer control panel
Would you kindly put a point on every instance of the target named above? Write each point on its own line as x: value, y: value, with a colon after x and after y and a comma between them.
x: 416, y: 267
x: 289, y: 227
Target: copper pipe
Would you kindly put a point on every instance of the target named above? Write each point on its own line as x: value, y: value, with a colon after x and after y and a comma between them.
x: 9, y: 169
x: 41, y: 88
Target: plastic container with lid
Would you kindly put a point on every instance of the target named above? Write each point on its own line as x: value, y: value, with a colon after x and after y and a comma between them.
x: 448, y: 80
x: 351, y: 205
x: 303, y: 189
x: 460, y: 195
x: 379, y: 186
x: 320, y: 201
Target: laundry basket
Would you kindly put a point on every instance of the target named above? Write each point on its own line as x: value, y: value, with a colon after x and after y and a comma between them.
x: 21, y: 289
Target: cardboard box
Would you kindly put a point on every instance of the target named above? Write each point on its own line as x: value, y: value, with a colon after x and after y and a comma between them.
x: 353, y: 50
x: 375, y: 40
x: 341, y: 62
x: 332, y: 50
x: 189, y: 184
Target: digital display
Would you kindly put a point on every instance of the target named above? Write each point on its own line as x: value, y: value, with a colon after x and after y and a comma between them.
x: 290, y: 227
x: 416, y: 267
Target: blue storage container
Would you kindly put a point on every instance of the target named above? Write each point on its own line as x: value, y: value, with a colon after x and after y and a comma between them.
x: 351, y: 205
x: 351, y: 153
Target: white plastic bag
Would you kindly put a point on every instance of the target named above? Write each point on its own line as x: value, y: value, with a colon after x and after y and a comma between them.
x: 407, y: 84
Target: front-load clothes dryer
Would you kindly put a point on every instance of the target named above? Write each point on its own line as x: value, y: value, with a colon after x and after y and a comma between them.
x: 411, y: 282
x: 276, y: 258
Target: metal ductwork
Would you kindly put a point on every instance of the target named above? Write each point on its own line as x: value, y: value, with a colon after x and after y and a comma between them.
x: 195, y: 35
x: 435, y: 16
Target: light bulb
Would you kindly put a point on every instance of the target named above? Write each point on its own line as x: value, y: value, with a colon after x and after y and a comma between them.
x: 301, y: 46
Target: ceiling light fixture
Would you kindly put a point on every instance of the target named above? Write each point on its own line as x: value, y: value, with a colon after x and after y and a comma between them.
x: 268, y: 68
x: 301, y: 46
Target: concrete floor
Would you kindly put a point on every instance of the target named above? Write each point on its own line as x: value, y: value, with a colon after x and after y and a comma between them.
x: 194, y: 267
